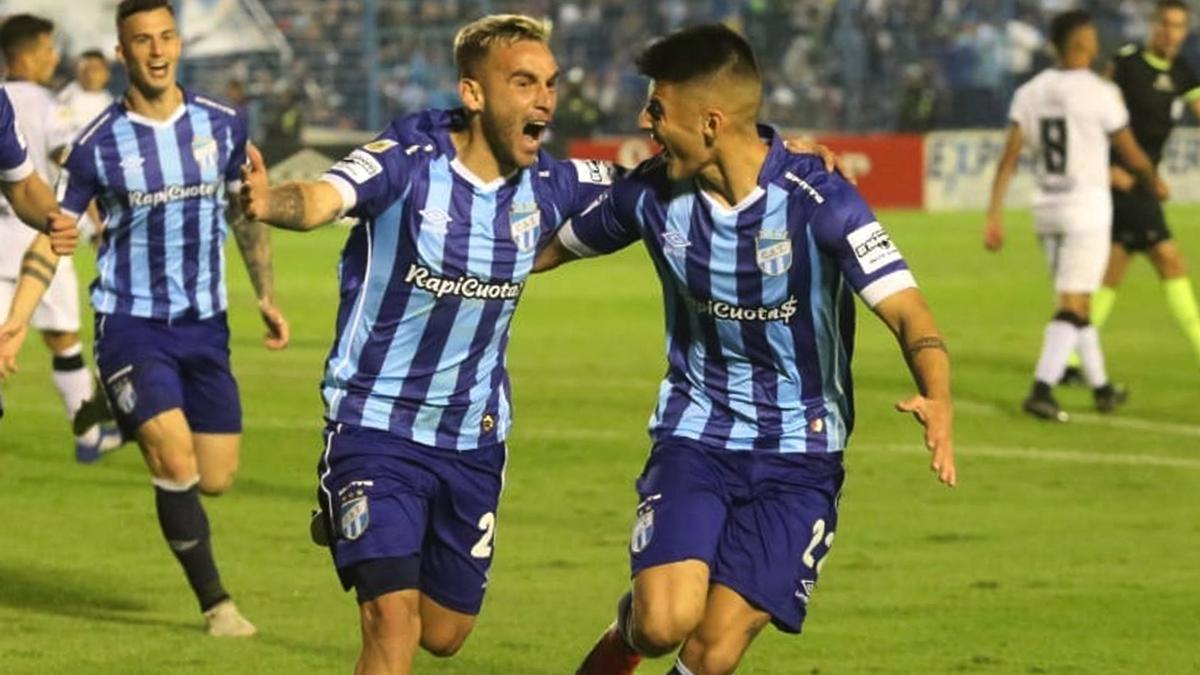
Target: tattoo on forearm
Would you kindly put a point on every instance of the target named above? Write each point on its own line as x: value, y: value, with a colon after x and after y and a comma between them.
x: 33, y: 271
x: 254, y: 242
x: 287, y: 205
x: 927, y: 343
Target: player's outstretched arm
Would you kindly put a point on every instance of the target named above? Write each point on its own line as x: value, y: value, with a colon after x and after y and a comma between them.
x: 298, y: 206
x: 1138, y: 162
x: 254, y: 243
x: 552, y: 255
x: 37, y: 270
x: 34, y: 203
x: 993, y: 230
x: 907, y: 315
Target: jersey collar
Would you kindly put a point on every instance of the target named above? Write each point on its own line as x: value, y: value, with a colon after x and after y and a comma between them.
x: 1156, y: 62
x: 159, y: 124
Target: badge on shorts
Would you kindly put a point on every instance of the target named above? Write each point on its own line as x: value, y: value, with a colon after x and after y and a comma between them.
x: 643, y: 529
x: 123, y: 393
x: 354, y: 513
x: 804, y: 593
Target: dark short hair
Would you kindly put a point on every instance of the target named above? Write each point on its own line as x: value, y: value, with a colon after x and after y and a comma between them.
x: 698, y: 52
x: 93, y: 54
x: 128, y: 8
x: 1163, y: 5
x: 20, y: 31
x: 1065, y: 24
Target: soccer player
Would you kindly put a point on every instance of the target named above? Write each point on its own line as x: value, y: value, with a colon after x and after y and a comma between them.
x: 1153, y: 81
x: 28, y: 45
x: 160, y: 164
x: 87, y: 96
x: 1070, y: 116
x: 759, y: 253
x: 451, y: 208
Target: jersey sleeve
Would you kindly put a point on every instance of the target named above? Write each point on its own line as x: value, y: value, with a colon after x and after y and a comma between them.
x: 15, y: 164
x: 1017, y: 110
x: 1189, y: 84
x: 577, y: 184
x: 1114, y: 116
x: 77, y: 181
x: 845, y: 229
x: 237, y: 153
x: 372, y: 176
x: 608, y: 225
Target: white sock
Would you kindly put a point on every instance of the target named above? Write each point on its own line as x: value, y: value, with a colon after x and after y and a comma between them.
x: 680, y: 668
x: 1091, y: 357
x: 72, y: 379
x: 1060, y: 340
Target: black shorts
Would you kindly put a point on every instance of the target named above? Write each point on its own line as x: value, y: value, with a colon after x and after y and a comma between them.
x: 1138, y: 221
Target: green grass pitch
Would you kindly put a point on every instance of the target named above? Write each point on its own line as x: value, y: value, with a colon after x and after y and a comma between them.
x: 1066, y: 549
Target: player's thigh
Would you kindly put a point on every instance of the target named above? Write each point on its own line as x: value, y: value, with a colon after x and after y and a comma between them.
x: 139, y: 374
x: 211, y: 399
x: 773, y: 549
x: 1168, y: 259
x: 443, y: 630
x: 376, y: 495
x: 1083, y: 259
x: 729, y: 625
x: 217, y: 459
x: 464, y: 515
x: 391, y: 622
x: 1118, y: 264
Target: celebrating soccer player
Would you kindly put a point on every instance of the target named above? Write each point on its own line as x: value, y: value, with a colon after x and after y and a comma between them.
x: 1070, y: 116
x: 160, y: 164
x: 758, y: 251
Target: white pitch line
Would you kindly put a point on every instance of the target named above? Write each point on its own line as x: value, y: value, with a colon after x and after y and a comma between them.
x: 1117, y: 421
x: 1039, y: 454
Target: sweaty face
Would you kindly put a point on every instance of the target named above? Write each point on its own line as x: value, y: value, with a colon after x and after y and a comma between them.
x: 519, y: 84
x: 1168, y: 32
x: 675, y: 123
x: 150, y: 49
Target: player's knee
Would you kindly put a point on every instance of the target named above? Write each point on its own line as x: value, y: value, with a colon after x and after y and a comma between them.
x: 388, y: 617
x: 444, y: 643
x: 216, y: 485
x: 661, y: 628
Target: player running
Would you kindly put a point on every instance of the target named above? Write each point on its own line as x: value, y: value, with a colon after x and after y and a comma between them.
x: 1070, y: 116
x: 759, y: 253
x: 160, y: 164
x: 28, y: 45
x: 1153, y: 81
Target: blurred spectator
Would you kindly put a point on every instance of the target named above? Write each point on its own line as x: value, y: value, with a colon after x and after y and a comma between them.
x: 87, y: 96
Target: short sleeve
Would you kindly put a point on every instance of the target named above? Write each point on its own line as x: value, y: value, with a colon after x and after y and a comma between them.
x: 1018, y: 109
x: 845, y: 229
x: 237, y: 152
x: 15, y: 164
x: 373, y: 176
x: 77, y: 182
x: 1189, y: 85
x: 608, y: 225
x: 1114, y: 116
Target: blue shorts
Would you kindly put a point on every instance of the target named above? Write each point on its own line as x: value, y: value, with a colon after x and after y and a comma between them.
x: 763, y: 522
x: 150, y: 366
x: 391, y: 498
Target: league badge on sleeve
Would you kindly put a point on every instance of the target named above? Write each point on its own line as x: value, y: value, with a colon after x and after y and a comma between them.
x: 774, y: 252
x: 354, y: 513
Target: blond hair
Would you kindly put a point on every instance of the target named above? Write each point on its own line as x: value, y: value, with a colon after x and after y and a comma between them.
x: 473, y: 41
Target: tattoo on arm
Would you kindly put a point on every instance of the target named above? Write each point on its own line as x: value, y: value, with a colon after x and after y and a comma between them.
x: 254, y: 242
x: 29, y: 270
x: 287, y: 206
x: 926, y: 343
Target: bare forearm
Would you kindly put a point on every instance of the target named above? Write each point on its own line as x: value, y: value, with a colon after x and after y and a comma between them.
x: 37, y: 271
x: 293, y: 206
x: 32, y: 200
x: 1003, y: 177
x: 929, y: 363
x: 254, y: 243
x: 553, y: 255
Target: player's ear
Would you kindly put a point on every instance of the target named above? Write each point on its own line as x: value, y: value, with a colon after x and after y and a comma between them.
x: 471, y: 94
x: 713, y: 121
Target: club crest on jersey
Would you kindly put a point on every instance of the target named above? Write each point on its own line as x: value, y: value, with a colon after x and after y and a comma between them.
x: 774, y: 253
x: 354, y: 513
x: 1164, y: 83
x: 204, y: 150
x: 643, y: 528
x: 524, y: 228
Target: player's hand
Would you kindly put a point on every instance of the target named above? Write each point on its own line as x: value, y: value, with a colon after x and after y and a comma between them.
x: 833, y: 161
x: 12, y: 336
x: 64, y: 233
x: 1161, y: 191
x: 278, y: 332
x: 256, y: 186
x: 993, y: 233
x: 937, y: 416
x: 1121, y: 180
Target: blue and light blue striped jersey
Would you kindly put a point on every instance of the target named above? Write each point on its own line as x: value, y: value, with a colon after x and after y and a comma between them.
x: 15, y: 164
x: 430, y: 277
x: 162, y: 188
x: 759, y: 309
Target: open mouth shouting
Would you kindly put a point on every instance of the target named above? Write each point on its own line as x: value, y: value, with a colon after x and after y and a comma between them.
x: 532, y: 133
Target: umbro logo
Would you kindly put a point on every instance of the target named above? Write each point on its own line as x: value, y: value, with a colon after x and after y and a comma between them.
x: 438, y: 218
x: 132, y: 163
x: 676, y: 240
